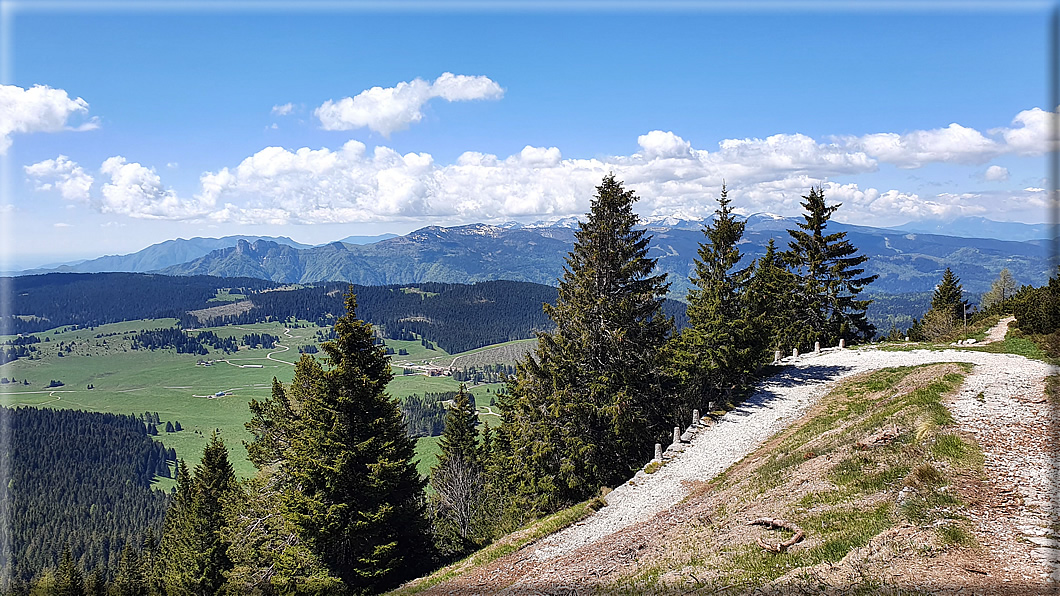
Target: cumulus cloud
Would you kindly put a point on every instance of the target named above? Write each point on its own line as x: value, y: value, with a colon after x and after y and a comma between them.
x: 283, y: 110
x: 278, y: 185
x: 1029, y: 135
x: 390, y: 109
x: 38, y: 109
x: 995, y: 174
x: 358, y: 183
x: 61, y: 174
x: 953, y: 144
x: 1031, y: 132
x: 136, y: 191
x: 870, y: 206
x: 663, y: 144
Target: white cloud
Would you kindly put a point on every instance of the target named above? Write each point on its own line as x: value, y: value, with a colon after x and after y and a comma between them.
x: 663, y: 144
x: 137, y: 191
x: 1028, y: 135
x: 871, y: 206
x: 953, y: 144
x: 63, y: 175
x: 38, y: 109
x: 387, y: 110
x: 283, y: 110
x: 1031, y: 132
x: 995, y: 174
x: 277, y: 185
x: 357, y: 183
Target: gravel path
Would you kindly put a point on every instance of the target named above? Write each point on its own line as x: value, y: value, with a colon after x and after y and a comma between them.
x: 779, y: 400
x: 1001, y: 402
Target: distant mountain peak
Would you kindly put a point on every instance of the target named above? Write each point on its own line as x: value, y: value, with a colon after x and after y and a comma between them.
x: 673, y: 220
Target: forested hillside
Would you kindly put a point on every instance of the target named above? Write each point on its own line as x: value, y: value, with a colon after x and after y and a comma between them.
x: 457, y: 317
x: 41, y: 302
x: 78, y: 480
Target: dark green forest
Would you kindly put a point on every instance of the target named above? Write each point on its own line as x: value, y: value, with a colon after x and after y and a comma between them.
x: 79, y: 481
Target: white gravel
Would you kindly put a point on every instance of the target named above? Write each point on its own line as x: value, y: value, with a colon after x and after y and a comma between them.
x: 778, y: 401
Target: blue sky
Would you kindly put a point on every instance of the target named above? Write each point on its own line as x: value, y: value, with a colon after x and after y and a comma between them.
x: 264, y: 121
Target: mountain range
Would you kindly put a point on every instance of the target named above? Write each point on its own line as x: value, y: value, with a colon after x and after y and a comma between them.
x: 174, y: 252
x: 906, y: 261
x: 977, y: 227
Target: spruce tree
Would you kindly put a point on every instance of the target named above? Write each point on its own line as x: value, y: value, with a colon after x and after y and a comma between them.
x: 949, y: 297
x: 128, y: 580
x: 583, y: 408
x: 460, y: 437
x: 716, y: 354
x: 267, y: 550
x: 94, y: 583
x: 831, y: 277
x: 175, y: 542
x: 193, y: 556
x: 359, y: 503
x: 772, y: 300
x: 69, y: 580
x: 458, y: 481
x: 215, y: 482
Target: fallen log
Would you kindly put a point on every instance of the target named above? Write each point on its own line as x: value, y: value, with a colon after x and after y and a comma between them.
x: 781, y: 524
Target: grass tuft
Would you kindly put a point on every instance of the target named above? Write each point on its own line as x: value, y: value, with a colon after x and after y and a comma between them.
x: 953, y: 534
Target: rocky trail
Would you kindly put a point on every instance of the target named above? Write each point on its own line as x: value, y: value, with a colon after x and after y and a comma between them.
x: 1001, y: 403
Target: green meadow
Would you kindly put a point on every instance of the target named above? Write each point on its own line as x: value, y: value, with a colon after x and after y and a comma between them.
x: 179, y: 389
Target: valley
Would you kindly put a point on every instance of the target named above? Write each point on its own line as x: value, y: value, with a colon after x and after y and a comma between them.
x: 206, y: 397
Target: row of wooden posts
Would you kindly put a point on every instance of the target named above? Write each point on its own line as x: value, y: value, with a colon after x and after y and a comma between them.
x: 696, y: 420
x: 816, y: 350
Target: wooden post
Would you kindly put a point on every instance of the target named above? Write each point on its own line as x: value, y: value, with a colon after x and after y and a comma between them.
x: 776, y: 357
x: 695, y: 417
x: 794, y: 352
x: 817, y: 346
x: 658, y: 452
x: 677, y: 435
x: 842, y: 344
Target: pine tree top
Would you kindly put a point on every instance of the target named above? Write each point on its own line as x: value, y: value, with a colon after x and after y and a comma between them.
x: 460, y: 437
x: 949, y: 293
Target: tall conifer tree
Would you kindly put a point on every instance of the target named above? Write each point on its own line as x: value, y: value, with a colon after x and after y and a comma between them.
x: 831, y: 277
x: 773, y: 300
x: 458, y: 480
x: 69, y: 580
x: 583, y: 408
x: 716, y: 354
x: 193, y: 553
x: 948, y: 297
x: 359, y: 503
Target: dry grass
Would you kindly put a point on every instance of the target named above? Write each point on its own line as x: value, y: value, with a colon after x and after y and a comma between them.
x: 860, y: 508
